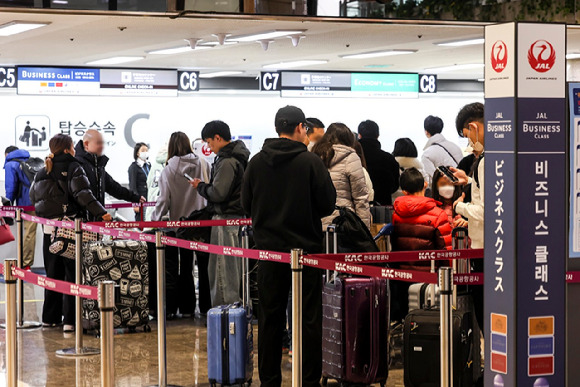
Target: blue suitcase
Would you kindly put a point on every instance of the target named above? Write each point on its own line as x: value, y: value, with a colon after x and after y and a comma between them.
x: 230, y: 338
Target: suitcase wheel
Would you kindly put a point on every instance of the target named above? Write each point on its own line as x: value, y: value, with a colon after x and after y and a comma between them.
x: 324, y: 381
x: 147, y: 328
x: 132, y: 330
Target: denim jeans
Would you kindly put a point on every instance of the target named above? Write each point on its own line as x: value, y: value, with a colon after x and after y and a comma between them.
x: 225, y: 272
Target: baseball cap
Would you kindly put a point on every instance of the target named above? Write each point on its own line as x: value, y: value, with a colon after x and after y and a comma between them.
x: 289, y: 115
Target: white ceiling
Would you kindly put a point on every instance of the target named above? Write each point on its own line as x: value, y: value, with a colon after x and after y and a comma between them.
x: 73, y: 39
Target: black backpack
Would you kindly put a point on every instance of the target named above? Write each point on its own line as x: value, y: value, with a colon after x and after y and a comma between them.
x: 30, y: 167
x: 353, y: 234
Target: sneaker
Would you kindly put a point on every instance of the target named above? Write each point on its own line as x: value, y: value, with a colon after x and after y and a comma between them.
x: 68, y: 328
x: 50, y: 325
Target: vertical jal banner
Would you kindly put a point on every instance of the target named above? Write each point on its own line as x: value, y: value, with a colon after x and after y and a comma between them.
x: 529, y: 273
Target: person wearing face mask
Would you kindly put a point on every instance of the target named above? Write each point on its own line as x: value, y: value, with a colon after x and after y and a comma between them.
x: 138, y: 172
x: 469, y: 124
x: 446, y: 193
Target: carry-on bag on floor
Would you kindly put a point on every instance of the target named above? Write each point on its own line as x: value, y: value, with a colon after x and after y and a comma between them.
x: 230, y: 338
x: 424, y: 295
x: 125, y: 262
x: 422, y: 349
x: 355, y: 330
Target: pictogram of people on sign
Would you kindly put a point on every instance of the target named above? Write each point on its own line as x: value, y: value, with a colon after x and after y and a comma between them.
x: 33, y: 137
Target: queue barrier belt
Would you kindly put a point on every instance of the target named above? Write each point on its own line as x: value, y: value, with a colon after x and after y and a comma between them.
x: 7, y: 214
x: 344, y: 263
x: 107, y: 206
x: 175, y: 223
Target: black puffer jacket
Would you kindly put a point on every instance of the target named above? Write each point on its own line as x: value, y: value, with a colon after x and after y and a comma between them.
x: 227, y: 172
x: 64, y: 191
x: 100, y: 181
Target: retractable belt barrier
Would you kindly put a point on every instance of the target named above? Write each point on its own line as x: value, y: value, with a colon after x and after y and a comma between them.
x: 68, y: 288
x: 7, y: 214
x: 107, y: 206
x: 175, y: 223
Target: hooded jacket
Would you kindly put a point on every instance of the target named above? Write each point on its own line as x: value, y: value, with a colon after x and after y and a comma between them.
x: 153, y: 179
x: 287, y: 190
x: 348, y: 177
x: 223, y: 190
x: 16, y: 183
x: 100, y: 181
x: 382, y: 168
x: 438, y: 152
x: 176, y: 196
x: 420, y: 211
x: 64, y: 191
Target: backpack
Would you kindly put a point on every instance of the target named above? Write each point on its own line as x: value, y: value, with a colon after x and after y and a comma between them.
x: 30, y: 168
x: 353, y: 234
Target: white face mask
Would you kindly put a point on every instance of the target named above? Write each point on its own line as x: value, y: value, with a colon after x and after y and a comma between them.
x: 447, y: 191
x: 144, y: 156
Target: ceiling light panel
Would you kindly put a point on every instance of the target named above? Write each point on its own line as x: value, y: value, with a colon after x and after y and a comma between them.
x: 177, y: 50
x: 468, y: 66
x: 116, y: 60
x: 378, y: 54
x: 220, y: 74
x: 265, y: 35
x: 461, y: 43
x: 17, y: 27
x: 294, y: 64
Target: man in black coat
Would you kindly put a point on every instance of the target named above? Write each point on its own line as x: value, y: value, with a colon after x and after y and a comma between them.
x: 89, y: 153
x: 287, y: 190
x: 381, y: 166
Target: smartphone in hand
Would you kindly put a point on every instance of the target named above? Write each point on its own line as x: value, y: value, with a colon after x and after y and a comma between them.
x: 447, y: 172
x: 188, y: 177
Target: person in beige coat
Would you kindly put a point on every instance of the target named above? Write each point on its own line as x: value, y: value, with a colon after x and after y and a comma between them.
x: 336, y: 149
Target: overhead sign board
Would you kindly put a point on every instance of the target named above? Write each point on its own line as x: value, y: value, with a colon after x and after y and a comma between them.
x: 58, y: 81
x: 343, y: 84
x: 144, y: 82
x: 93, y: 82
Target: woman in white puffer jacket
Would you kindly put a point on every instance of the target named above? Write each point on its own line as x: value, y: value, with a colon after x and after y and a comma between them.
x: 336, y: 149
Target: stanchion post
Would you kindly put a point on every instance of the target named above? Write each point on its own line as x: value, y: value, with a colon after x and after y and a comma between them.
x: 446, y: 330
x: 107, y: 305
x: 161, y: 307
x: 11, y: 348
x: 20, y: 257
x: 79, y: 350
x: 161, y: 338
x: 246, y: 245
x: 296, y: 267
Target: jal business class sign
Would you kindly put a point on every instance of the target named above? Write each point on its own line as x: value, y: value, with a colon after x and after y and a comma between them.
x: 95, y: 82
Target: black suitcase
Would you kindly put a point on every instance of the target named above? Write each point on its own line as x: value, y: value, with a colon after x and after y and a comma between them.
x: 125, y: 262
x: 422, y: 349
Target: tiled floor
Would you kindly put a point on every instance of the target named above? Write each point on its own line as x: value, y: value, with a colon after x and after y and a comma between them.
x: 135, y: 355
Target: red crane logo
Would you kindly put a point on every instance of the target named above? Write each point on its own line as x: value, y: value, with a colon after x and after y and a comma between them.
x: 541, y: 56
x: 499, y: 56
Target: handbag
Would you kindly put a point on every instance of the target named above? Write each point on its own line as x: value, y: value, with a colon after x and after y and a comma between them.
x: 6, y: 235
x: 64, y: 243
x: 198, y: 234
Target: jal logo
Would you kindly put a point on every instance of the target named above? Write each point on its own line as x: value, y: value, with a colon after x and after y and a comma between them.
x: 499, y: 56
x: 205, y: 149
x: 541, y: 56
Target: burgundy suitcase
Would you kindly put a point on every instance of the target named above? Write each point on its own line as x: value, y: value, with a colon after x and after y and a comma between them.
x: 355, y: 330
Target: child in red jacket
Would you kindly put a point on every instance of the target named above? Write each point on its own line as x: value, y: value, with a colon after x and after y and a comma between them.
x: 419, y: 224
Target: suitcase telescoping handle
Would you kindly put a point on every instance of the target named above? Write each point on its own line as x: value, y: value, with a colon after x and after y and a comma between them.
x: 331, y: 246
x: 460, y: 242
x: 246, y: 268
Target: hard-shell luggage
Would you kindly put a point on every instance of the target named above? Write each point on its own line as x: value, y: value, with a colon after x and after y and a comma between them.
x: 421, y: 296
x: 230, y: 338
x: 422, y: 348
x: 355, y: 328
x: 125, y: 262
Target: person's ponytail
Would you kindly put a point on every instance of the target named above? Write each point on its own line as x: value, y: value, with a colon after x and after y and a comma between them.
x: 48, y: 162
